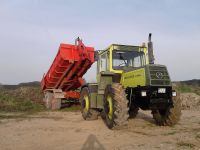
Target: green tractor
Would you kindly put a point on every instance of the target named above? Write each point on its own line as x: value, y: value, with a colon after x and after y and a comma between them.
x: 128, y: 80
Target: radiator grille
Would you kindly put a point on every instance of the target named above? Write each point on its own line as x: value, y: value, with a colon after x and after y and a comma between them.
x: 159, y: 75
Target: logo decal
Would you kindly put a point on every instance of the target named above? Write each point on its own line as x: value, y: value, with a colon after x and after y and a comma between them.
x: 159, y: 75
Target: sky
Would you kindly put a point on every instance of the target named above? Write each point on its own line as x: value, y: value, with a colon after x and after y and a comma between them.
x: 31, y: 31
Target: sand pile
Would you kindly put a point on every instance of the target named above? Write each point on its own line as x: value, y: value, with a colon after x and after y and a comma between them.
x: 190, y: 101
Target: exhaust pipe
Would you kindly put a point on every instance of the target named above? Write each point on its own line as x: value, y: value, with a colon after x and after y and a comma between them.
x: 150, y: 50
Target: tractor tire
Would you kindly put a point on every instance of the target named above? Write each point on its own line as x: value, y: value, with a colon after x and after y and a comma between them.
x: 48, y: 100
x: 115, y: 112
x: 170, y: 116
x: 133, y: 111
x: 87, y: 112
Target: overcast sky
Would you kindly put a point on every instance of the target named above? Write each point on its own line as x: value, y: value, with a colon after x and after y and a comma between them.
x: 31, y: 31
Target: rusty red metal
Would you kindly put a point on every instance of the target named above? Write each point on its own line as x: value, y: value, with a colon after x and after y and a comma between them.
x: 72, y: 94
x: 68, y: 67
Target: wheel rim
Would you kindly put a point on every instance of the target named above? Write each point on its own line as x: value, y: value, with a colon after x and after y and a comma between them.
x: 86, y: 103
x: 110, y: 108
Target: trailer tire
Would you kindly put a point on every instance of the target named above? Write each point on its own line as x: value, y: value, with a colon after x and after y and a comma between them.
x: 115, y: 112
x: 48, y: 96
x: 170, y: 116
x: 87, y: 112
x: 56, y: 103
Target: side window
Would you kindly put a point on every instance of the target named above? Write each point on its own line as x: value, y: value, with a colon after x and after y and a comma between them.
x: 103, y: 62
x: 137, y: 61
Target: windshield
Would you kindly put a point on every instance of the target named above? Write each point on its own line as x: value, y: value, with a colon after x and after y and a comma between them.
x: 123, y: 59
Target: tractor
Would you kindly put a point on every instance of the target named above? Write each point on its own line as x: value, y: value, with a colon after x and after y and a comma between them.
x: 128, y: 80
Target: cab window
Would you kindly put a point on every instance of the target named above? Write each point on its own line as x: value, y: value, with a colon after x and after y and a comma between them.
x: 123, y: 59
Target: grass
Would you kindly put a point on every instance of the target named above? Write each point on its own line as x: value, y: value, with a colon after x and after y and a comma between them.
x: 25, y: 99
x: 20, y: 105
x: 184, y: 88
x: 185, y: 144
x: 22, y: 100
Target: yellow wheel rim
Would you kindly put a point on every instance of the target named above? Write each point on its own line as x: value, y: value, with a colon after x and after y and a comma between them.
x: 110, y: 113
x: 86, y: 108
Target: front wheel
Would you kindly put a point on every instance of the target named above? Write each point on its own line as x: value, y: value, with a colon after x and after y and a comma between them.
x: 170, y: 116
x: 115, y: 112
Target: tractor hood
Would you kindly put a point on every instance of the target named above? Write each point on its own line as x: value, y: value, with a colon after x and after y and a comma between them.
x: 150, y: 75
x: 157, y: 75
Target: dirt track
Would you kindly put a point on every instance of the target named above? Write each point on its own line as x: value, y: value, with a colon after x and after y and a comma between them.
x: 68, y: 131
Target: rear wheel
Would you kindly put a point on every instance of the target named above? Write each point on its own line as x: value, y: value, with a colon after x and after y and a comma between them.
x: 170, y: 116
x: 87, y: 112
x: 51, y: 102
x: 48, y: 96
x: 115, y: 112
x: 56, y: 103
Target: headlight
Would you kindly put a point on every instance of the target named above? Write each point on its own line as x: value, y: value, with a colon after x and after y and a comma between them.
x: 173, y: 93
x: 143, y: 93
x: 161, y: 90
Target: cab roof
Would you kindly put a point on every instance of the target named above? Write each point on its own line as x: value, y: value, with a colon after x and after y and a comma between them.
x: 121, y: 47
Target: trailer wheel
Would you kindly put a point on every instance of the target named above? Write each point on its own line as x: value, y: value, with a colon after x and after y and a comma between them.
x: 48, y: 100
x: 115, y: 112
x: 56, y: 103
x: 170, y: 116
x: 87, y: 112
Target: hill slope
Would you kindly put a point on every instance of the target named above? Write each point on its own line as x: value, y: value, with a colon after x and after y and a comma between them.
x: 189, y: 86
x: 27, y: 84
x: 21, y: 97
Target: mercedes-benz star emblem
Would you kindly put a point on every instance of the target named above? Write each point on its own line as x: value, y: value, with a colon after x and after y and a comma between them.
x: 159, y: 75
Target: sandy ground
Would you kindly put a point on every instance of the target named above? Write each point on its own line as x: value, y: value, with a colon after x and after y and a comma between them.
x: 68, y: 131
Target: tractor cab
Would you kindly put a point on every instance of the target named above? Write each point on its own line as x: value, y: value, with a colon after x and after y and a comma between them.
x: 118, y: 58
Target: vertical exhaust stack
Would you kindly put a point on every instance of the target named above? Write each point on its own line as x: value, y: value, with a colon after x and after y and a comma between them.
x: 150, y: 50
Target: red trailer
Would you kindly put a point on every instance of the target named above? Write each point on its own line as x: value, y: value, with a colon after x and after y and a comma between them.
x: 64, y: 77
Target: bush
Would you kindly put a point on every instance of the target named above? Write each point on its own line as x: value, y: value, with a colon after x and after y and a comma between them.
x: 20, y: 100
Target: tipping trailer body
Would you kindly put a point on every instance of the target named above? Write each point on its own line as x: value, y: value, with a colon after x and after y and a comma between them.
x: 66, y: 72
